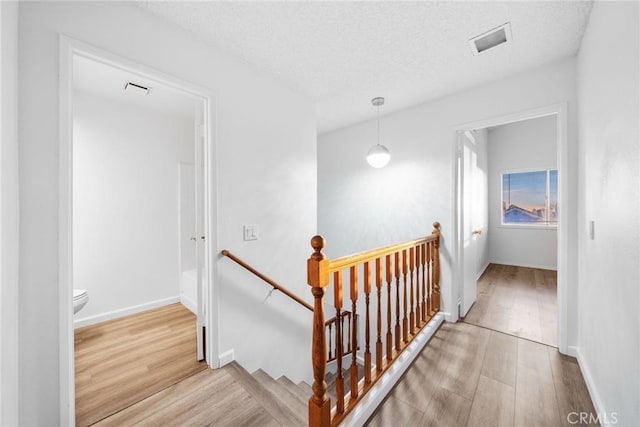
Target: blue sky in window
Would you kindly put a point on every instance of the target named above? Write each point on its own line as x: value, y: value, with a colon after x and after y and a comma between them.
x: 526, y: 190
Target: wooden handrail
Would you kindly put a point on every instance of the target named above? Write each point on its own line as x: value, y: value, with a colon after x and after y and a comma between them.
x: 270, y: 281
x: 355, y: 259
x: 411, y: 273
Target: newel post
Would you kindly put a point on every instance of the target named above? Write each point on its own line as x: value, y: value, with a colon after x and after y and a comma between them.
x: 318, y: 279
x: 436, y: 267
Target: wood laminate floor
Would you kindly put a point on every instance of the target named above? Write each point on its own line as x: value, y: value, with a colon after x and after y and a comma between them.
x: 208, y: 398
x: 465, y: 376
x: 472, y: 376
x: 123, y: 361
x: 518, y: 301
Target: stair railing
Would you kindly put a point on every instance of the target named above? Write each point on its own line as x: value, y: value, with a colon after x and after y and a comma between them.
x: 344, y: 342
x: 411, y: 273
x: 271, y: 282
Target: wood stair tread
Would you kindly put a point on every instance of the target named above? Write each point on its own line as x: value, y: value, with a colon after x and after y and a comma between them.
x: 305, y: 389
x: 280, y: 392
x: 275, y: 406
x: 293, y: 389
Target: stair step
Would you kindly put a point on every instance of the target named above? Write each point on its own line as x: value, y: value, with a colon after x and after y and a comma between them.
x: 276, y: 407
x: 297, y: 407
x: 293, y: 389
x: 305, y: 389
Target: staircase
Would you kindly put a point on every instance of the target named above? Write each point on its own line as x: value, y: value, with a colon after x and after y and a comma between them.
x: 286, y: 401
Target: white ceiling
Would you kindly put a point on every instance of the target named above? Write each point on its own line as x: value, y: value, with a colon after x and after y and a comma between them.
x: 342, y: 54
x: 108, y: 82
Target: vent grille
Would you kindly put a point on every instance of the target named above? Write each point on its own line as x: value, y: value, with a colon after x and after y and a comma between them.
x: 492, y: 38
x: 136, y: 88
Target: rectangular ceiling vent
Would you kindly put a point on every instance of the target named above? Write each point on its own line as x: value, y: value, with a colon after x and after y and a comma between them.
x: 136, y: 88
x: 490, y: 39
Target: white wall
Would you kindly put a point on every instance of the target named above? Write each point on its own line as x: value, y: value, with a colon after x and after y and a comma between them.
x: 266, y: 174
x: 526, y: 145
x: 9, y: 214
x: 609, y: 160
x: 360, y: 207
x: 126, y: 205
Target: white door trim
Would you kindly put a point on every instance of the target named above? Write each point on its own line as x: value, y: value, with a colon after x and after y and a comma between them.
x: 560, y: 111
x: 69, y: 47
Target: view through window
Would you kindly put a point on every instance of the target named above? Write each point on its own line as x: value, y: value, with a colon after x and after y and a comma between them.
x: 530, y: 198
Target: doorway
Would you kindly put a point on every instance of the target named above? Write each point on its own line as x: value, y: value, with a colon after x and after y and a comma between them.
x: 127, y: 198
x: 472, y: 227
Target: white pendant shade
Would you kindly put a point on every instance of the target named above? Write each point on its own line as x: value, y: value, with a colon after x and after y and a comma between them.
x: 378, y: 156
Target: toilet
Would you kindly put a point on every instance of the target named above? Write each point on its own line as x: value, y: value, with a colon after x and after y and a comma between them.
x: 80, y: 298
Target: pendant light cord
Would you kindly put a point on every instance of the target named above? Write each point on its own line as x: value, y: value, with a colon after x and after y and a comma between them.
x: 378, y: 124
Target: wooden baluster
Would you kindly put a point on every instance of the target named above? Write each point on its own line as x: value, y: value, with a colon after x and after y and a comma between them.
x: 389, y: 335
x: 423, y: 252
x: 419, y: 318
x: 349, y: 333
x: 330, y: 346
x: 379, y: 314
x: 337, y: 302
x: 367, y: 334
x: 354, y: 331
x: 397, y: 329
x: 436, y: 267
x: 429, y: 289
x: 318, y: 279
x: 405, y: 330
x: 412, y: 314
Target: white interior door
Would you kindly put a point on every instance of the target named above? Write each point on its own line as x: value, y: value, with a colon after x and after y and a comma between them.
x: 200, y: 241
x: 470, y: 229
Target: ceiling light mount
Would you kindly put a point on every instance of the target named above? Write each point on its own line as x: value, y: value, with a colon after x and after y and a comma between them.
x: 378, y: 155
x: 378, y: 101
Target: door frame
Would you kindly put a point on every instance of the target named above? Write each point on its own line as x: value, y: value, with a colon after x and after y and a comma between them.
x: 68, y: 48
x: 560, y: 111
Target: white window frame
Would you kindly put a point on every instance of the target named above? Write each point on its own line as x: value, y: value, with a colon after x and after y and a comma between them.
x: 541, y: 225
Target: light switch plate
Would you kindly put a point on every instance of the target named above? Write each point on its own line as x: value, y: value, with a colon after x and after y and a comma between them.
x: 250, y: 232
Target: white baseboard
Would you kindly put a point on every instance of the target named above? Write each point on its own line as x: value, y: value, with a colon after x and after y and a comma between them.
x: 572, y: 351
x: 189, y: 303
x: 591, y: 387
x: 367, y: 406
x: 226, y: 357
x: 103, y: 317
x: 482, y: 270
x: 449, y: 317
x: 527, y: 265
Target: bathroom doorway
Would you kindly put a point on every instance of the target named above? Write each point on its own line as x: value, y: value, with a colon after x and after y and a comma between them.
x: 130, y: 135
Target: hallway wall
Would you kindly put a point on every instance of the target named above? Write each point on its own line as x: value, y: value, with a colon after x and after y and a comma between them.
x: 609, y: 156
x: 9, y: 213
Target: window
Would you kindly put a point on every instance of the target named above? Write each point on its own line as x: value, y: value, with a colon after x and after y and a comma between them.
x: 530, y: 198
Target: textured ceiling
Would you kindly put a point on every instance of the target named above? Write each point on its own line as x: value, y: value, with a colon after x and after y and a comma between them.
x: 342, y: 54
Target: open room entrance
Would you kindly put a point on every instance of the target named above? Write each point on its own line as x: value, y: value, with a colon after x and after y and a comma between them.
x: 508, y: 219
x: 138, y: 218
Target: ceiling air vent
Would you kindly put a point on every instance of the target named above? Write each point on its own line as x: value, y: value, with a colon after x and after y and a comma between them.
x: 490, y: 39
x: 136, y: 88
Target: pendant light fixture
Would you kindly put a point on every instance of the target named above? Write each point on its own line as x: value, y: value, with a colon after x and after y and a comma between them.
x: 378, y: 156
